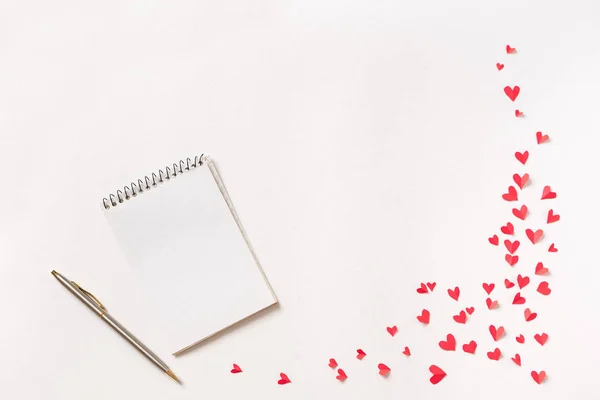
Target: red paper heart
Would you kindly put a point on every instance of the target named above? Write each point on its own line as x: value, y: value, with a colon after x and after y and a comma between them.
x: 510, y: 50
x: 520, y: 339
x: 547, y: 193
x: 454, y: 293
x: 360, y: 354
x: 511, y: 260
x: 534, y: 236
x: 493, y: 240
x: 519, y: 299
x: 488, y: 287
x: 393, y: 330
x: 406, y: 351
x: 422, y: 289
x: 540, y: 270
x: 541, y: 339
x: 499, y: 66
x: 511, y: 195
x: 508, y: 229
x: 552, y: 217
x: 284, y: 379
x: 520, y: 213
x: 384, y: 370
x: 512, y: 246
x: 522, y: 157
x: 470, y: 310
x: 518, y: 113
x: 461, y: 318
x: 496, y: 333
x: 517, y: 359
x: 552, y: 249
x: 541, y: 138
x: 236, y: 369
x: 538, y: 378
x: 470, y: 348
x: 424, y: 317
x: 491, y: 304
x: 512, y: 93
x: 437, y: 374
x: 521, y: 181
x: 332, y: 363
x: 449, y: 344
x: 341, y: 376
x: 494, y: 355
x: 529, y: 316
x: 431, y: 286
x: 508, y: 284
x: 522, y: 281
x: 544, y: 289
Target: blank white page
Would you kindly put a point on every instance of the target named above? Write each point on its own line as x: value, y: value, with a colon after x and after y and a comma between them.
x: 192, y: 259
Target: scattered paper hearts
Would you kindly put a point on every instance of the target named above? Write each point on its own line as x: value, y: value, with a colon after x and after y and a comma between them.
x: 541, y: 138
x: 541, y: 339
x: 529, y: 315
x: 437, y: 374
x: 431, y: 286
x: 510, y: 50
x: 488, y: 287
x: 517, y: 359
x: 470, y: 348
x: 393, y: 330
x: 491, y: 304
x: 552, y: 217
x: 522, y: 157
x: 520, y: 339
x: 512, y: 93
x: 496, y: 333
x: 552, y: 249
x: 511, y: 195
x: 236, y: 369
x: 470, y: 310
x: 449, y: 344
x: 547, y: 193
x: 360, y: 354
x: 520, y: 213
x: 540, y: 270
x: 422, y: 289
x: 384, y: 370
x: 461, y: 318
x: 341, y: 376
x: 508, y: 229
x: 499, y: 66
x: 508, y: 284
x: 454, y: 293
x: 522, y: 281
x: 519, y: 299
x: 424, y: 317
x: 534, y: 237
x: 284, y: 379
x: 538, y: 378
x: 494, y: 355
x: 511, y: 260
x: 521, y: 180
x: 406, y: 351
x: 544, y: 289
x: 512, y: 247
x: 518, y: 113
x: 332, y: 363
x: 493, y: 240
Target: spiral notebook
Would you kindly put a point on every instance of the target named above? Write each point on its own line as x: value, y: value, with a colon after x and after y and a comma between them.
x: 181, y: 235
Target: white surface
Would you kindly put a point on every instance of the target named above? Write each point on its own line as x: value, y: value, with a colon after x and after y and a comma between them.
x: 366, y: 146
x: 190, y: 261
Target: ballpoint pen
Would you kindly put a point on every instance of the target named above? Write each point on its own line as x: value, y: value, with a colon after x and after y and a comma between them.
x: 97, y: 307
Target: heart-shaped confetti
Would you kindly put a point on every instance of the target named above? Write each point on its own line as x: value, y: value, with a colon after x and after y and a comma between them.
x: 540, y: 270
x: 547, y: 193
x: 521, y: 180
x: 424, y: 317
x: 437, y: 374
x: 529, y: 315
x: 522, y: 281
x: 541, y: 138
x: 510, y: 50
x: 511, y: 195
x: 384, y: 370
x: 520, y: 339
x: 284, y: 379
x: 392, y: 330
x: 454, y: 293
x: 499, y: 66
x: 494, y: 355
x: 520, y: 213
x: 470, y: 310
x: 544, y: 289
x: 512, y: 247
x: 341, y: 376
x: 552, y: 217
x: 236, y: 369
x: 488, y: 287
x: 422, y: 289
x: 332, y: 363
x: 470, y: 348
x: 493, y: 240
x: 406, y: 351
x: 508, y: 229
x: 360, y: 354
x: 431, y: 286
x: 491, y: 304
x: 519, y: 299
x: 552, y: 249
x: 461, y: 318
x: 541, y: 339
x: 538, y: 378
x: 522, y: 157
x: 517, y: 359
x: 534, y: 237
x: 449, y: 344
x: 513, y: 92
x: 508, y: 284
x: 496, y: 333
x: 518, y: 113
x: 511, y: 260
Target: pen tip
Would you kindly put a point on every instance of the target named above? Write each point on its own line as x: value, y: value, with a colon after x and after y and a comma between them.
x: 54, y: 272
x: 172, y: 375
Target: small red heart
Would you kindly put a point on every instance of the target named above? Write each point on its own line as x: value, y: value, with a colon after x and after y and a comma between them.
x: 517, y: 359
x: 341, y: 376
x: 520, y: 213
x: 454, y: 293
x: 461, y: 318
x: 449, y: 344
x: 496, y: 333
x: 360, y: 354
x: 494, y: 355
x: 539, y: 378
x: 470, y: 348
x: 284, y: 379
x: 508, y: 284
x: 522, y: 281
x: 544, y: 289
x: 520, y: 339
x: 491, y: 304
x: 508, y: 229
x: 512, y: 246
x: 552, y: 249
x: 236, y: 369
x: 393, y: 330
x: 470, y: 310
x: 422, y: 289
x: 493, y: 240
x: 547, y: 193
x: 519, y: 299
x: 424, y: 317
x: 534, y: 236
x: 431, y: 286
x: 541, y: 138
x: 499, y: 66
x: 540, y: 270
x: 437, y: 374
x: 488, y: 287
x: 541, y: 339
x: 529, y: 316
x: 332, y: 363
x: 522, y: 157
x: 384, y: 370
x: 511, y: 260
x: 512, y: 93
x: 511, y: 195
x: 518, y: 113
x: 521, y: 181
x: 510, y: 50
x: 406, y: 351
x: 552, y: 217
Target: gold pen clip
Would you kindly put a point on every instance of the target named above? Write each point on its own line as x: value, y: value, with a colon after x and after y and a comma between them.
x: 91, y: 296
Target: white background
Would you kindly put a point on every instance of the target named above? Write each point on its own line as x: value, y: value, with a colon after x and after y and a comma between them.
x: 365, y: 144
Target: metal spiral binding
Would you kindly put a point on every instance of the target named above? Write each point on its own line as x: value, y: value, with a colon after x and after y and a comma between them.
x: 147, y: 183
